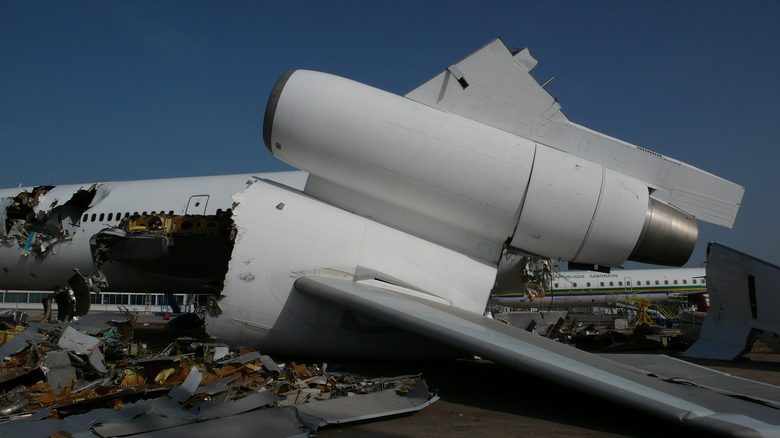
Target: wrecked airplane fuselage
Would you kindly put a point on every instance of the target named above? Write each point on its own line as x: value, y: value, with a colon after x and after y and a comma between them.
x: 36, y: 228
x: 38, y: 231
x: 186, y: 249
x: 184, y: 236
x: 46, y: 233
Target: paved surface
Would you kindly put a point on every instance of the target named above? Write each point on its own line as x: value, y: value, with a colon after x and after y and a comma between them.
x: 483, y: 398
x: 479, y: 397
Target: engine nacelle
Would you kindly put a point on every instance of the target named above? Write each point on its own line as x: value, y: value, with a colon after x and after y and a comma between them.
x: 461, y: 183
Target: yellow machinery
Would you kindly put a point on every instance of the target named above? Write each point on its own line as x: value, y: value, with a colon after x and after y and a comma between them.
x: 642, y: 317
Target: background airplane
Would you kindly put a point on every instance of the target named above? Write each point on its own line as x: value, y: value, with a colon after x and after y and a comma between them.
x: 587, y: 289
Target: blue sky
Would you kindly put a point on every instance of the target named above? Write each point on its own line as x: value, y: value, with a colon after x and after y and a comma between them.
x: 112, y: 90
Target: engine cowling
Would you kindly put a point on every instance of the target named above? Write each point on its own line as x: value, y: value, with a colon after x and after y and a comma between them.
x: 462, y: 183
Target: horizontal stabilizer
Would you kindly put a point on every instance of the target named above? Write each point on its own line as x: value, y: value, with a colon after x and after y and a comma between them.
x: 689, y: 405
x: 494, y: 86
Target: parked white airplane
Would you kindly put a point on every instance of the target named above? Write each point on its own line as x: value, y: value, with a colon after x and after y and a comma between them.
x: 392, y: 247
x: 587, y: 288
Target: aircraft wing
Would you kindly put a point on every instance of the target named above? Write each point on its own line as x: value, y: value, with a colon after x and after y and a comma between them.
x: 686, y: 404
x: 494, y: 86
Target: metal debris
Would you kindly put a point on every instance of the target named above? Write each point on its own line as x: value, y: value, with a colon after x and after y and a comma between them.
x: 531, y: 274
x: 170, y: 245
x: 36, y: 228
x: 73, y: 300
x: 60, y: 381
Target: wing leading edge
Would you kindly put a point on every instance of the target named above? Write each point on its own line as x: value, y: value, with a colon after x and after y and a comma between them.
x: 691, y: 406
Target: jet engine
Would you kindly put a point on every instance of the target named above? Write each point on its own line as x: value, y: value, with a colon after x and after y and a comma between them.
x: 464, y: 184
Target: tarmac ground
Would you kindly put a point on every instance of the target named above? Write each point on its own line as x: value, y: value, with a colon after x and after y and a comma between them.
x: 481, y: 397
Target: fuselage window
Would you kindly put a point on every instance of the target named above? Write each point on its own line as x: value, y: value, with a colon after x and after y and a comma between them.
x: 555, y: 285
x: 628, y: 283
x: 85, y: 218
x: 702, y: 281
x: 685, y: 281
x: 119, y: 216
x: 143, y: 214
x: 675, y: 281
x: 611, y: 284
x: 694, y: 281
x: 94, y: 216
x: 574, y: 285
x: 602, y: 283
x: 588, y: 284
x: 170, y: 212
x: 666, y: 281
x: 620, y: 283
x: 656, y: 282
x: 110, y: 216
x: 102, y: 216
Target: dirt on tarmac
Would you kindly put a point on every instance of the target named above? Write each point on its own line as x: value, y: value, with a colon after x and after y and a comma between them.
x: 480, y: 398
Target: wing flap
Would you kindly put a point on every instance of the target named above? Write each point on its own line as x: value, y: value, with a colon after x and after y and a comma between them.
x: 689, y: 405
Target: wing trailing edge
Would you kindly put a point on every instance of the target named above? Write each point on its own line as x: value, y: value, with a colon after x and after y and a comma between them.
x: 688, y: 405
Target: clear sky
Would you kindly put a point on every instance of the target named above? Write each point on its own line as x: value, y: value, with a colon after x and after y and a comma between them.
x: 113, y: 90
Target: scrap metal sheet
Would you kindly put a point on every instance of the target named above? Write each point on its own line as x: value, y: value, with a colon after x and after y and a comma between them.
x: 24, y: 339
x: 271, y: 423
x: 682, y: 372
x: 349, y: 409
x: 58, y: 369
x: 79, y: 343
x: 686, y: 405
x: 96, y: 323
x: 251, y: 402
x: 189, y: 393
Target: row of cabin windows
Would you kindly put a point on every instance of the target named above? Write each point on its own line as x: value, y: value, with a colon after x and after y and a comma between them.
x: 638, y: 283
x: 110, y: 216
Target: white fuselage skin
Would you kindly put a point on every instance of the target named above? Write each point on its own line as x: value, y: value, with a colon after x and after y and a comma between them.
x: 281, y: 235
x: 589, y: 289
x: 44, y: 272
